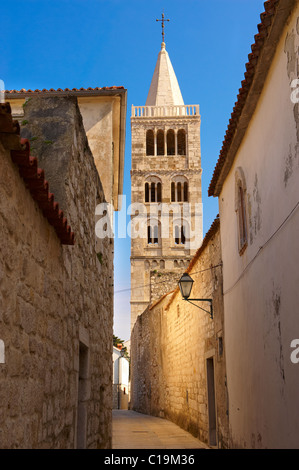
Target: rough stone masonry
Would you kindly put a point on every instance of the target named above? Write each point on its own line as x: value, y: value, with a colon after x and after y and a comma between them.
x: 56, y: 316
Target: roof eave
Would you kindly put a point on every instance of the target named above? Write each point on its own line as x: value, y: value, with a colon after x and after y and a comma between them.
x: 105, y: 91
x: 260, y: 60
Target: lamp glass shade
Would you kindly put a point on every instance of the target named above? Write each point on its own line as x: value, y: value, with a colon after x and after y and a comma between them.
x: 185, y: 284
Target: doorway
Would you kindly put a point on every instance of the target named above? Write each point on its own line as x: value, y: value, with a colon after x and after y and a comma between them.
x: 82, y: 396
x: 211, y: 402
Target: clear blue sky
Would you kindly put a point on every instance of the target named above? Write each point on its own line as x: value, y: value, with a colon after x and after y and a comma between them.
x: 89, y: 43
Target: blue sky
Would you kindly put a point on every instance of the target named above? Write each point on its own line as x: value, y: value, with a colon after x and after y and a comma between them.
x: 89, y: 43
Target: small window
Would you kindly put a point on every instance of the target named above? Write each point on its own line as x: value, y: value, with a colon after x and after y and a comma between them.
x: 159, y: 192
x: 153, y: 192
x: 172, y: 192
x: 146, y: 195
x: 153, y: 233
x: 160, y: 143
x: 181, y: 142
x: 170, y: 142
x: 150, y: 142
x: 185, y: 192
x: 240, y: 208
x: 180, y: 233
x: 179, y: 192
x: 177, y: 235
x: 179, y: 189
x: 153, y: 189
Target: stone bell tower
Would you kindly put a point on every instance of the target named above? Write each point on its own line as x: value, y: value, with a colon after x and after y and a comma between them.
x: 165, y: 182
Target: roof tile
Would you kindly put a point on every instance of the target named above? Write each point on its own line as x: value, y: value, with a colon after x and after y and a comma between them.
x: 34, y: 178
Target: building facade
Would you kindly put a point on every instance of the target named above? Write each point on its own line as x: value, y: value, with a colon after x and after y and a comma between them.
x: 103, y: 112
x: 56, y: 283
x: 166, y: 170
x: 256, y: 181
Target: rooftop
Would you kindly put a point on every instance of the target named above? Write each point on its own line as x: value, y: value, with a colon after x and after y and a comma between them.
x: 33, y: 176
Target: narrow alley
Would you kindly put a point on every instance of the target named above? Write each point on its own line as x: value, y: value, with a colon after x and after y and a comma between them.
x: 132, y: 430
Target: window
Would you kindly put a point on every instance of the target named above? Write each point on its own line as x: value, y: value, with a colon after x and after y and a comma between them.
x: 180, y: 232
x: 83, y: 395
x: 179, y: 189
x: 240, y: 208
x: 242, y: 218
x: 185, y: 191
x: 160, y: 142
x: 181, y: 142
x: 150, y: 142
x: 170, y: 142
x: 153, y: 232
x: 146, y: 192
x: 153, y: 189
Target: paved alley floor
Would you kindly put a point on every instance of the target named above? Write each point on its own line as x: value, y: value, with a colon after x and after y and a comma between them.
x: 132, y: 430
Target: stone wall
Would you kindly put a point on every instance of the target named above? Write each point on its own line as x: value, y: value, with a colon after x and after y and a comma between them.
x: 56, y: 314
x: 162, y: 283
x: 172, y: 346
x: 261, y: 283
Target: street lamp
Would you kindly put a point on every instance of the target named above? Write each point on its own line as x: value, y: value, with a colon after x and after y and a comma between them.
x: 185, y: 285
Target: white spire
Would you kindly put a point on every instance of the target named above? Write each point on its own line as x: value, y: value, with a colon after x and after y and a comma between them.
x: 164, y: 89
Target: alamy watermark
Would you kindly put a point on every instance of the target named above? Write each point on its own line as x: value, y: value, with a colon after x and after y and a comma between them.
x: 295, y: 353
x: 2, y: 352
x: 295, y: 92
x: 181, y: 221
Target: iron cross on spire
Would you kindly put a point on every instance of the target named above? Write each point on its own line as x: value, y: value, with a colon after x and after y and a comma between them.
x: 163, y: 20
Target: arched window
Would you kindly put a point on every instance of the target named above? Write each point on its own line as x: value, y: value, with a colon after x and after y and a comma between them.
x: 173, y: 191
x: 181, y: 142
x: 153, y: 232
x: 240, y: 208
x: 160, y: 142
x: 179, y: 189
x: 181, y: 233
x: 150, y: 142
x: 159, y: 192
x: 146, y: 195
x: 185, y: 191
x: 170, y: 142
x: 153, y: 189
x: 153, y: 192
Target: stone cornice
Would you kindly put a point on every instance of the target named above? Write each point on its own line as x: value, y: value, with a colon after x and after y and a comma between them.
x: 154, y: 171
x: 163, y: 121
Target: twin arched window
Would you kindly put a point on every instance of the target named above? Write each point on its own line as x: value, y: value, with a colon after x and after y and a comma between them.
x: 180, y: 231
x: 153, y: 190
x: 179, y: 189
x: 153, y: 232
x: 171, y: 143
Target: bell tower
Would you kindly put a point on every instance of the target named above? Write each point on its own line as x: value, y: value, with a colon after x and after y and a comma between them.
x: 165, y: 187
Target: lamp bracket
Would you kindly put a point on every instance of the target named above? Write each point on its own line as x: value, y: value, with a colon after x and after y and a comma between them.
x: 202, y: 300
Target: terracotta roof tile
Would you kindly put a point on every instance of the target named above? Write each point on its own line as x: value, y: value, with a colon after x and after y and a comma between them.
x: 34, y: 177
x: 65, y: 90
